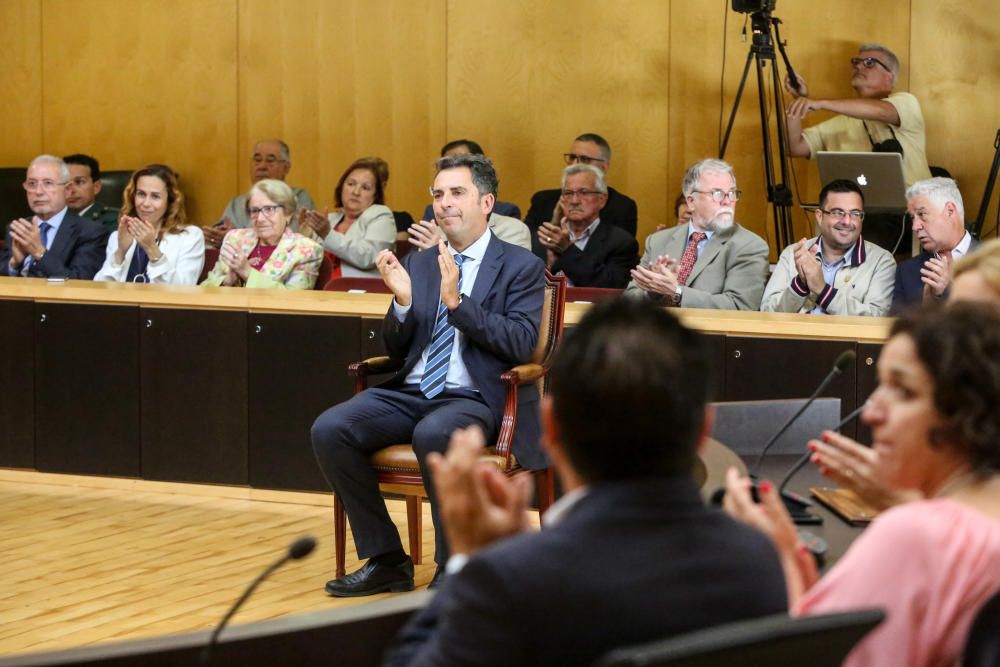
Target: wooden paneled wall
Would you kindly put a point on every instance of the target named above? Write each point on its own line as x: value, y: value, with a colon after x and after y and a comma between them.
x: 194, y: 82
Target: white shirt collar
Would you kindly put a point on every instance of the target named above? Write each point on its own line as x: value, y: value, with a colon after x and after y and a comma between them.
x: 477, y: 250
x: 559, y: 509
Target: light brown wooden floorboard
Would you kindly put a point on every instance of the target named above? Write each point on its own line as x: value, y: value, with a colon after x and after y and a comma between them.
x: 89, y: 560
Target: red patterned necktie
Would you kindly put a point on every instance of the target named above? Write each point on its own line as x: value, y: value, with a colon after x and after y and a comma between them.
x: 689, y: 257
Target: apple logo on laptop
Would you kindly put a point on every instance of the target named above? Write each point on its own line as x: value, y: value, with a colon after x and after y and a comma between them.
x: 862, y: 180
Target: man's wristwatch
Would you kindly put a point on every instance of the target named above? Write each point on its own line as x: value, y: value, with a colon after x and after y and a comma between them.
x: 676, y: 298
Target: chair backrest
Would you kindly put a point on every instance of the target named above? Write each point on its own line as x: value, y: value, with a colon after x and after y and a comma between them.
x: 745, y: 426
x: 982, y: 647
x: 13, y: 200
x: 550, y: 329
x: 211, y: 257
x: 113, y: 187
x: 775, y: 641
x: 372, y: 285
x: 325, y: 271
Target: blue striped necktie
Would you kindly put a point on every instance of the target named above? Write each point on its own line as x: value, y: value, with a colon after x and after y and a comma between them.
x: 43, y: 233
x: 442, y: 342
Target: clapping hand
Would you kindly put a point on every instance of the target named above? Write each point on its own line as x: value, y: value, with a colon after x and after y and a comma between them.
x: 395, y: 277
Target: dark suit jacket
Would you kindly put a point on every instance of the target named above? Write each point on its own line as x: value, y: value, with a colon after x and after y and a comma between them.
x: 77, y: 251
x: 500, y: 323
x: 620, y: 211
x: 634, y: 561
x: 606, y: 261
x: 909, y: 288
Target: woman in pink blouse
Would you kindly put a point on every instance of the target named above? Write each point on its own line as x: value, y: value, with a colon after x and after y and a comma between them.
x: 930, y: 563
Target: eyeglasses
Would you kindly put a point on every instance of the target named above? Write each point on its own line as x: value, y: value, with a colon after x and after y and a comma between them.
x: 869, y: 62
x: 573, y: 158
x: 569, y: 194
x: 268, y: 210
x: 718, y: 195
x: 47, y: 184
x: 840, y: 214
x: 269, y: 159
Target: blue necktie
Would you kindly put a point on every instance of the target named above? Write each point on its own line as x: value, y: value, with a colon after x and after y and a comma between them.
x: 442, y: 342
x: 43, y: 231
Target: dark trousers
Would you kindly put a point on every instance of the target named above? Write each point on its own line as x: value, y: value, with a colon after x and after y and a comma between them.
x: 345, y: 435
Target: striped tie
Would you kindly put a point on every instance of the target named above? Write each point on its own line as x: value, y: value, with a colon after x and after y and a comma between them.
x: 442, y: 342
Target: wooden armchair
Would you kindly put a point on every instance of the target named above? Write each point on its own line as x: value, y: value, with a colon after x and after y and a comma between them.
x: 396, y: 466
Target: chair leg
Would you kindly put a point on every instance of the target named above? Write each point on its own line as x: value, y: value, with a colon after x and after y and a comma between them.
x: 545, y: 489
x: 339, y: 535
x: 415, y: 525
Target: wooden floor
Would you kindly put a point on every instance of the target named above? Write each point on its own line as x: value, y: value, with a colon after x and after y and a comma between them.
x: 87, y: 560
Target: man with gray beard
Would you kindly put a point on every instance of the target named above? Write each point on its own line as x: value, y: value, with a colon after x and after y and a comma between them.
x: 711, y: 262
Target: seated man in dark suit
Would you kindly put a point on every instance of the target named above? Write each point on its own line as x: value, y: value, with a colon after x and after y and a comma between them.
x: 631, y: 553
x: 619, y: 210
x: 462, y: 314
x: 82, y: 190
x: 938, y: 218
x: 579, y: 244
x: 55, y: 243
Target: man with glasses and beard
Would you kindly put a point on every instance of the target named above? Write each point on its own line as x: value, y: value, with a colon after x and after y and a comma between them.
x: 838, y: 272
x: 710, y: 262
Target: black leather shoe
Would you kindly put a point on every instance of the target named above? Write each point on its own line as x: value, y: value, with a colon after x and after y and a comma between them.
x: 438, y: 577
x: 373, y: 578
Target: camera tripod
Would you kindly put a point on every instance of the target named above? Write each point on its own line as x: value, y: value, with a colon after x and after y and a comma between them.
x: 761, y: 51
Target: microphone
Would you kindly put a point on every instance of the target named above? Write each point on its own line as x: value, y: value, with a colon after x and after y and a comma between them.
x: 843, y: 361
x: 299, y: 549
x: 805, y: 457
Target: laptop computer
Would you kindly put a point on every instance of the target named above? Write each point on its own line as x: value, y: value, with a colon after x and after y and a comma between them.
x: 879, y: 175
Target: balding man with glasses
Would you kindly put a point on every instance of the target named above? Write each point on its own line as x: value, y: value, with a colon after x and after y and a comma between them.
x: 837, y: 272
x: 710, y: 262
x: 619, y: 210
x: 877, y: 120
x: 55, y: 243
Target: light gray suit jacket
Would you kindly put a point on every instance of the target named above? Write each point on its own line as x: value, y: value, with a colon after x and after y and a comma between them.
x: 730, y: 274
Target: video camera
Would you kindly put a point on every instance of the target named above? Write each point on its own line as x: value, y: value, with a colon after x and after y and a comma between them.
x: 754, y: 6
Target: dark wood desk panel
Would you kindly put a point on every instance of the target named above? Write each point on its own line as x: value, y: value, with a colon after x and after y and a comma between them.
x: 766, y: 368
x: 867, y: 382
x: 17, y: 384
x: 86, y: 389
x: 297, y: 369
x: 194, y: 395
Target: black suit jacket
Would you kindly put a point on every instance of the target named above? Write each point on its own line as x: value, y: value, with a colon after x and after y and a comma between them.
x: 77, y: 251
x: 606, y: 261
x: 620, y: 211
x: 499, y: 320
x: 634, y: 561
x: 909, y: 288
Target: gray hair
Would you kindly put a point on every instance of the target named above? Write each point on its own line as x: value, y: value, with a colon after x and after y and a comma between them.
x: 484, y: 176
x: 579, y: 168
x: 277, y: 191
x: 695, y: 172
x: 52, y: 159
x: 889, y: 55
x: 940, y: 190
x: 286, y: 154
x: 601, y: 142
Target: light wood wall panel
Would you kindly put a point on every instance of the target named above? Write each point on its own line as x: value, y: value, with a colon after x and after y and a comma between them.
x: 956, y: 75
x: 341, y: 80
x: 145, y: 81
x: 525, y: 77
x: 20, y: 80
x: 821, y: 38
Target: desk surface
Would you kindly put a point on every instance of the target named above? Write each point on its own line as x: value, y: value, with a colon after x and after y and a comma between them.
x: 740, y: 323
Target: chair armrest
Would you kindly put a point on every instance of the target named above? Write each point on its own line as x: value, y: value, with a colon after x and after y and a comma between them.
x: 372, y: 366
x: 523, y: 373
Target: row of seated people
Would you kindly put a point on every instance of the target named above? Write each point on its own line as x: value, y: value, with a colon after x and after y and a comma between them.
x: 706, y: 261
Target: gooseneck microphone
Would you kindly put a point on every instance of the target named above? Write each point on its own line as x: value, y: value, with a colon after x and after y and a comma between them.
x: 300, y: 548
x: 805, y: 457
x: 844, y: 361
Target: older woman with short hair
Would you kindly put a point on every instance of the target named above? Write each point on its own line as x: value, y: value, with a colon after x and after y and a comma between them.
x: 269, y: 253
x: 929, y: 563
x: 361, y: 227
x: 154, y: 242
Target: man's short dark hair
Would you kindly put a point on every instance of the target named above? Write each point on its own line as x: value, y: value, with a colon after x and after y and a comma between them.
x: 840, y: 185
x: 484, y: 176
x: 86, y: 161
x: 473, y: 147
x: 629, y: 387
x: 599, y: 140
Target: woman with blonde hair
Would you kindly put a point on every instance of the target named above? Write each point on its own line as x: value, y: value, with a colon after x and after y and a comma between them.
x: 154, y: 242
